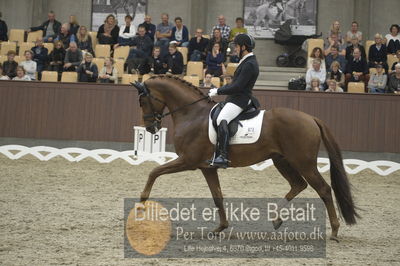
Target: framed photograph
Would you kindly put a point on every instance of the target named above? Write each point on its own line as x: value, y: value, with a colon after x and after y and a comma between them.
x: 264, y: 17
x: 119, y: 8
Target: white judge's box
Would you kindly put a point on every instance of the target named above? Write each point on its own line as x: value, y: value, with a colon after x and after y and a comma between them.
x: 147, y: 142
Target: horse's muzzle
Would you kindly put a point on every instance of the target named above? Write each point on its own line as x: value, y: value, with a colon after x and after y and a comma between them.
x: 152, y: 129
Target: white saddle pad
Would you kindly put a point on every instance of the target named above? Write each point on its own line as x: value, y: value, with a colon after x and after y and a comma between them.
x: 248, y: 133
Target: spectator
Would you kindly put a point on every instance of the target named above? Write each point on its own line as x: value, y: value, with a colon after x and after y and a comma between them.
x: 56, y: 57
x: 395, y: 63
x: 40, y: 56
x: 180, y: 33
x: 357, y: 68
x: 377, y: 82
x: 150, y: 28
x: 73, y: 57
x: 333, y: 41
x: 2, y: 76
x: 333, y: 86
x: 10, y: 66
x: 207, y: 82
x: 87, y: 71
x: 198, y: 46
x: 84, y: 40
x: 215, y: 61
x: 227, y: 79
x: 224, y: 29
x: 174, y: 60
x: 50, y: 28
x: 140, y: 52
x: 392, y: 39
x: 108, y: 74
x: 157, y: 63
x: 335, y: 30
x: 126, y: 32
x: 315, y: 84
x: 394, y: 80
x: 21, y: 74
x: 3, y: 30
x: 163, y: 34
x: 315, y: 72
x: 73, y: 25
x: 336, y: 74
x: 350, y: 49
x: 239, y: 29
x: 335, y: 56
x: 377, y: 54
x: 217, y: 38
x: 316, y: 54
x: 29, y: 65
x: 65, y: 36
x: 108, y: 32
x: 354, y: 32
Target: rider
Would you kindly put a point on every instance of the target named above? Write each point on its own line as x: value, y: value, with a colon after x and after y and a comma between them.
x: 239, y: 94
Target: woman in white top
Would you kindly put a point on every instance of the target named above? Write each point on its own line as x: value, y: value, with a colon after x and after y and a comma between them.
x: 109, y: 73
x: 29, y: 65
x: 3, y: 77
x: 126, y: 32
x: 393, y: 39
x: 316, y: 54
x: 21, y: 74
x: 354, y: 32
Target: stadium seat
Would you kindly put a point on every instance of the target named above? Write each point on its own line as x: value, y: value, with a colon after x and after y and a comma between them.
x: 195, y: 69
x: 32, y: 36
x: 93, y: 36
x: 216, y: 81
x: 356, y: 87
x: 3, y: 58
x: 102, y: 50
x: 19, y: 59
x: 128, y: 78
x: 391, y: 59
x: 119, y: 65
x: 50, y: 76
x: 368, y: 44
x: 69, y: 77
x: 145, y: 77
x: 231, y: 68
x: 25, y: 46
x: 312, y: 43
x: 192, y: 79
x: 16, y: 35
x: 99, y: 62
x: 7, y: 46
x: 121, y: 52
x: 49, y: 46
x: 372, y: 70
x: 184, y: 51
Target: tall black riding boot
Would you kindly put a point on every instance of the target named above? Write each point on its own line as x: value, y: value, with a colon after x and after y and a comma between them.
x: 223, y: 141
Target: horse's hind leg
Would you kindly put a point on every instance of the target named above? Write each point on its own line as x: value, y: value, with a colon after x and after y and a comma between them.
x: 296, y: 181
x: 212, y: 179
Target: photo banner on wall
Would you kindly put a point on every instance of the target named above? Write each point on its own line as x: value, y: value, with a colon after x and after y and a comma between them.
x: 264, y: 17
x: 119, y: 8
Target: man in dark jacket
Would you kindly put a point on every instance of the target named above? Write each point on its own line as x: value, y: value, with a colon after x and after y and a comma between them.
x: 174, y: 60
x: 139, y: 54
x: 3, y: 30
x: 50, y: 28
x: 87, y: 71
x: 357, y: 68
x: 150, y: 28
x: 239, y: 93
x: 198, y: 46
x: 40, y: 56
x: 377, y: 54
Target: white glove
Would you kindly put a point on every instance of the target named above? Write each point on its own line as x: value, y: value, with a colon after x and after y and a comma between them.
x: 213, y: 92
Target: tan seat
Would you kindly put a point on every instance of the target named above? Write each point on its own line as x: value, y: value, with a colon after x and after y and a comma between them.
x: 192, y: 79
x: 121, y: 52
x: 391, y: 59
x: 128, y: 78
x: 372, y: 71
x: 7, y: 46
x: 356, y: 87
x: 231, y: 68
x: 195, y: 69
x: 24, y: 47
x: 49, y: 46
x: 146, y: 77
x: 50, y: 76
x: 16, y: 35
x: 32, y: 36
x: 19, y: 59
x: 69, y: 77
x: 102, y: 50
x: 312, y: 43
x: 216, y: 81
x: 99, y: 63
x: 119, y: 65
x: 184, y: 51
x: 368, y: 45
x: 93, y: 36
x: 3, y: 58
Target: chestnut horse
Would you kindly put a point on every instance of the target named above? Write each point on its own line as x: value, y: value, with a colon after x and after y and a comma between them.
x: 290, y: 138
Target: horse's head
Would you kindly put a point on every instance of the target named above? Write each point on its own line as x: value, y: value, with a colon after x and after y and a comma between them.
x: 152, y: 107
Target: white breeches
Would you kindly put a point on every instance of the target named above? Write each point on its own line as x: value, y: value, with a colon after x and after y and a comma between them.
x: 228, y: 113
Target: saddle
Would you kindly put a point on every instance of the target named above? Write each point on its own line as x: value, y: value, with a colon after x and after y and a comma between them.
x: 233, y: 126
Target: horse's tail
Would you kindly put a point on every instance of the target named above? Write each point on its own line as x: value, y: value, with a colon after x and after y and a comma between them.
x: 339, y: 181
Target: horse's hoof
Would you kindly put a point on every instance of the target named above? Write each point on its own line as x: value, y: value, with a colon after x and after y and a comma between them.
x: 219, y: 229
x: 334, y: 238
x: 277, y: 223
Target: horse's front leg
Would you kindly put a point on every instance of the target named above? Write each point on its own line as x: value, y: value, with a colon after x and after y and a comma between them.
x: 177, y: 165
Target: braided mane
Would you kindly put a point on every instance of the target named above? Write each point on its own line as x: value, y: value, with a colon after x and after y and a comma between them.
x: 180, y: 80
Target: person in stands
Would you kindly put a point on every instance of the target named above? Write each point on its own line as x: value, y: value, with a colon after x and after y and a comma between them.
x: 29, y: 65
x: 109, y: 31
x: 50, y: 27
x: 87, y: 71
x: 10, y: 66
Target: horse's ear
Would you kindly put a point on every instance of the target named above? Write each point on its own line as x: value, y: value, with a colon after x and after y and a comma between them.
x: 140, y: 87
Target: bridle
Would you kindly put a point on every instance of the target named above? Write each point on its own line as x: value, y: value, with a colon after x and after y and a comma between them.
x: 154, y: 116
